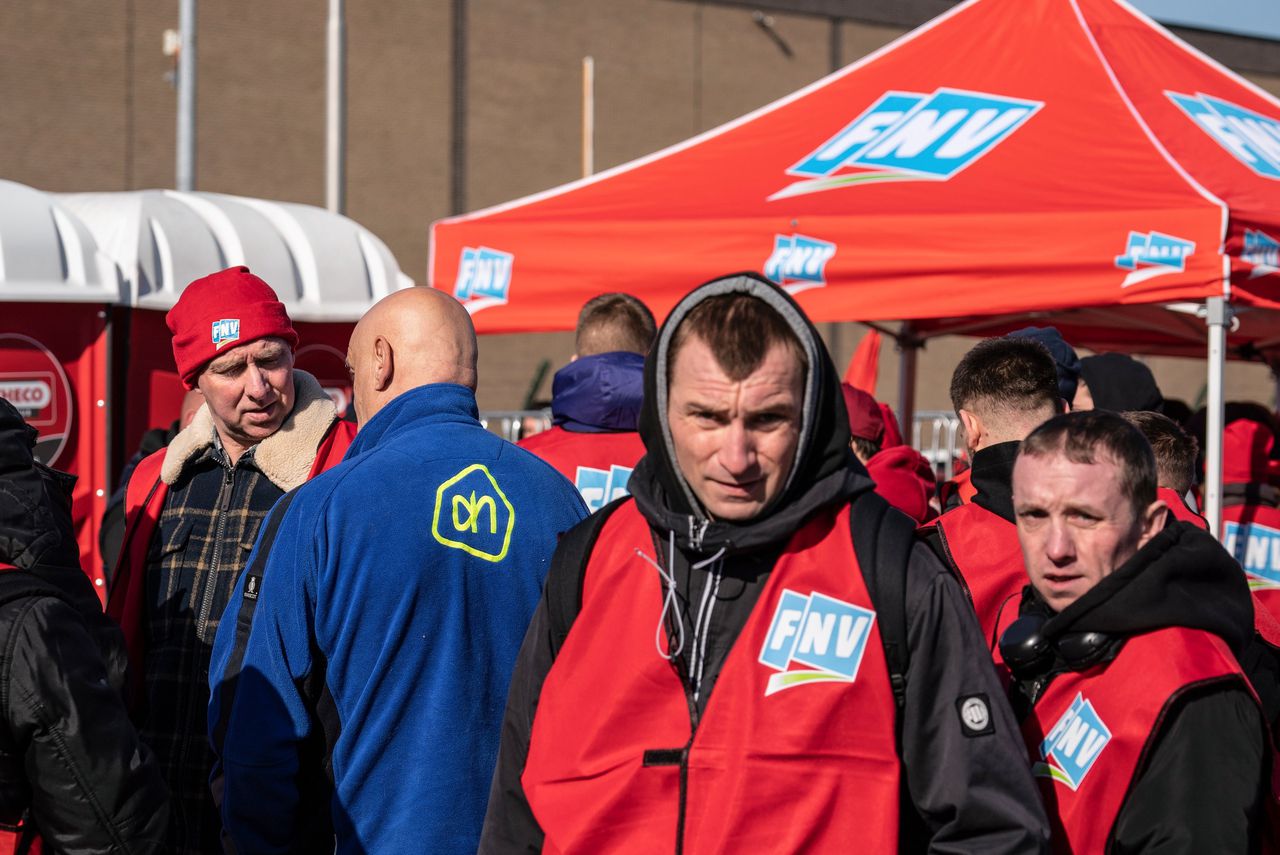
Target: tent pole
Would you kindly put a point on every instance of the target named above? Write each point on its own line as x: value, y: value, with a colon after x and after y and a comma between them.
x: 908, y: 348
x: 1218, y: 317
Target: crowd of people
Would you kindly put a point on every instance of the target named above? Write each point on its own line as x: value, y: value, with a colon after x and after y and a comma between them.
x: 720, y: 606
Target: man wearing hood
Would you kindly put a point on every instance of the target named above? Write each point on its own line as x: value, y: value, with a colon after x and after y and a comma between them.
x: 595, y: 400
x: 72, y: 769
x: 712, y: 673
x: 1142, y: 729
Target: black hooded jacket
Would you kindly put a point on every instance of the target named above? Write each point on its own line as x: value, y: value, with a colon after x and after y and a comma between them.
x: 972, y: 793
x: 1203, y: 784
x: 70, y: 761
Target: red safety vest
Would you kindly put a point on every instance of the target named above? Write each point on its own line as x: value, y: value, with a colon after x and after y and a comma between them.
x: 1180, y: 509
x: 794, y: 753
x: 1090, y: 730
x: 598, y: 464
x: 984, y: 547
x: 143, y: 504
x: 1252, y: 534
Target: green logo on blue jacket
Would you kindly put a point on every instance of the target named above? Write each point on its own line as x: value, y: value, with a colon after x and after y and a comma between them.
x: 473, y: 514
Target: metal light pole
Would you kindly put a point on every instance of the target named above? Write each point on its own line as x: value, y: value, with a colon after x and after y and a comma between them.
x: 186, y: 155
x: 335, y: 128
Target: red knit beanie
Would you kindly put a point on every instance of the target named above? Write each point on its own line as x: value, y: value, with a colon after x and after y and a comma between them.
x: 221, y: 311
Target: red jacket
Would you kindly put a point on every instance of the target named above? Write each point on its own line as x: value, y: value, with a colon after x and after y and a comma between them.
x: 984, y: 548
x: 598, y: 464
x: 905, y: 479
x: 796, y: 753
x: 1090, y: 730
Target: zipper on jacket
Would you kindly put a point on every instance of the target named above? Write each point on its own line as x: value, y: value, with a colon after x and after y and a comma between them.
x: 955, y: 565
x: 206, y: 601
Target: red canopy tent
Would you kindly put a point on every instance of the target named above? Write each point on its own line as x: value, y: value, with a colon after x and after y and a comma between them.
x: 1012, y: 158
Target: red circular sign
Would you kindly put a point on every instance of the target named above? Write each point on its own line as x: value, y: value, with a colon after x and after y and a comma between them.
x: 32, y: 379
x: 329, y: 366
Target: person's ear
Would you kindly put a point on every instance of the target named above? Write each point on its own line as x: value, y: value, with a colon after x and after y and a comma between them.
x: 1153, y: 521
x: 384, y: 368
x: 973, y: 431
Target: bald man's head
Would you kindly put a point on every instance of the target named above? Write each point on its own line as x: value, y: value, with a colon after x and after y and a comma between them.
x: 409, y: 339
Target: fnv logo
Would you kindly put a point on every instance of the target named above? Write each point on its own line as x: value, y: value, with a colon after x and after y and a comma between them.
x: 599, y: 487
x: 1251, y: 138
x: 1073, y: 745
x: 484, y: 278
x: 1262, y: 251
x: 910, y: 136
x: 473, y: 514
x: 799, y: 262
x: 1152, y: 254
x: 1257, y: 548
x: 225, y: 331
x: 826, y: 635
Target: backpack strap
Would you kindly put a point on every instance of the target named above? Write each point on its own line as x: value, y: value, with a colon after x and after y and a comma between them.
x: 568, y: 569
x: 882, y: 540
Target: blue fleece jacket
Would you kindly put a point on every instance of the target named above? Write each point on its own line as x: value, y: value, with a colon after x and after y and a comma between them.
x: 376, y: 626
x: 599, y: 393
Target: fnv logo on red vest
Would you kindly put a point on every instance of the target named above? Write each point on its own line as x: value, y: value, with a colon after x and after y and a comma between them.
x: 1073, y: 745
x: 825, y: 634
x: 1257, y: 548
x: 910, y: 136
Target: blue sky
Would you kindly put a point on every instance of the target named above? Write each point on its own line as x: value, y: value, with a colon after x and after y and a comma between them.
x: 1259, y: 18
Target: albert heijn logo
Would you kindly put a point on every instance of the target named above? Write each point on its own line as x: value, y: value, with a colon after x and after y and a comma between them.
x: 1152, y: 254
x: 1257, y: 548
x: 799, y: 262
x: 599, y: 487
x: 225, y: 331
x: 484, y: 277
x: 1262, y: 251
x: 1073, y: 745
x: 473, y: 514
x: 908, y: 136
x: 827, y: 635
x: 1251, y: 138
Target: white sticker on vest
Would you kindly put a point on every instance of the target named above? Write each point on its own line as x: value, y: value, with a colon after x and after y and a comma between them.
x: 825, y: 636
x: 1073, y: 745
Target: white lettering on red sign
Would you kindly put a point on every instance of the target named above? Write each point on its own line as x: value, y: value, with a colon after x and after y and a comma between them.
x: 26, y: 394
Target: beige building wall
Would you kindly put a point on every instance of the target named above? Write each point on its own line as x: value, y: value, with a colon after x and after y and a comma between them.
x: 90, y: 105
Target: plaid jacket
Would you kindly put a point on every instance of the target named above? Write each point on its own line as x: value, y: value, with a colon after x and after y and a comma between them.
x: 195, y: 530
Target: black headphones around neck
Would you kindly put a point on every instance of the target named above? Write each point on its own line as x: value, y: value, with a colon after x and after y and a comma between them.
x: 1029, y: 655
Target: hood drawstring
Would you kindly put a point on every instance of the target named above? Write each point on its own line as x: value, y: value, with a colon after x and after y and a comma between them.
x: 702, y: 624
x: 668, y: 600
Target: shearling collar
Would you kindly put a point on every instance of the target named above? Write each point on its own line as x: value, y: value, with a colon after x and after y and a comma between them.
x: 285, y: 457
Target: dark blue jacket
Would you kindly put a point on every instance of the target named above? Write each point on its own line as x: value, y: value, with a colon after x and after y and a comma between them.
x: 374, y: 633
x: 598, y: 393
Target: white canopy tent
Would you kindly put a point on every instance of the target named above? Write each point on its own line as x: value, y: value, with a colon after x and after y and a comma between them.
x: 324, y: 266
x: 47, y: 255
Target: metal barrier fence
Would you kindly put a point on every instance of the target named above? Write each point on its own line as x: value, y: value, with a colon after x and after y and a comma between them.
x: 936, y: 435
x: 512, y: 424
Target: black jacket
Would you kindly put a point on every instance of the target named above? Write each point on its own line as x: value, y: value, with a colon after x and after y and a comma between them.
x: 70, y: 761
x: 1204, y: 781
x: 974, y: 793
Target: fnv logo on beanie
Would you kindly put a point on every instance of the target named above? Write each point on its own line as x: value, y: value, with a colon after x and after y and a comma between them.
x: 221, y: 311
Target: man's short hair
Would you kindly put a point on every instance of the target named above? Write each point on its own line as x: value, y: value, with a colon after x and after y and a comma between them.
x: 1015, y: 374
x: 613, y: 322
x: 739, y: 329
x: 1092, y: 436
x: 1174, y: 448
